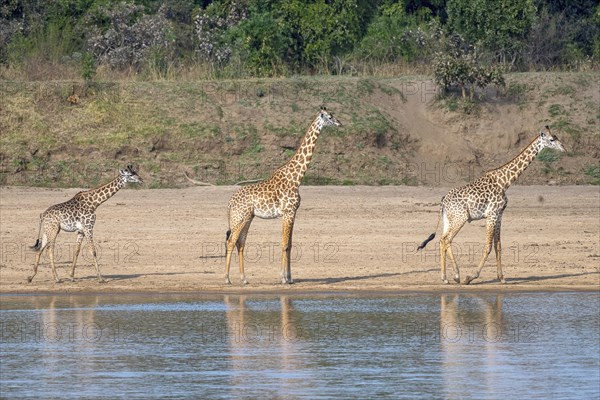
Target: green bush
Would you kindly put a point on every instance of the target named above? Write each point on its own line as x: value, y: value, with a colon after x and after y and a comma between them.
x: 269, y: 37
x: 262, y: 47
x: 593, y: 171
x: 88, y: 67
x: 548, y: 156
x: 328, y: 29
x: 392, y: 36
x: 499, y: 26
x: 459, y: 66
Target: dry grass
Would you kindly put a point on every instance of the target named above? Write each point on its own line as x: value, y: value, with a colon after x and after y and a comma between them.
x: 66, y: 133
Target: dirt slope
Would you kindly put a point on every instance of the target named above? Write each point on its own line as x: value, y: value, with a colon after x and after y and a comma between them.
x: 395, y: 132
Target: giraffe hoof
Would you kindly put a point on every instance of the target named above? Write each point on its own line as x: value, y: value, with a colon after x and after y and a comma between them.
x: 457, y: 279
x: 468, y: 280
x: 244, y: 282
x: 99, y: 280
x: 227, y: 281
x: 29, y: 279
x: 445, y: 281
x: 503, y: 281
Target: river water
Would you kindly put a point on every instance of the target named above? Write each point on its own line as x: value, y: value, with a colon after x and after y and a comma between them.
x: 450, y: 346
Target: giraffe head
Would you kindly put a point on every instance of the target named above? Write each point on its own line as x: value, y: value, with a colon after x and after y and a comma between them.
x: 549, y: 140
x: 129, y: 175
x: 327, y: 119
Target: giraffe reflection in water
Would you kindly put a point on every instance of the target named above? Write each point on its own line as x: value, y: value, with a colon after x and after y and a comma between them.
x: 473, y: 324
x: 266, y: 335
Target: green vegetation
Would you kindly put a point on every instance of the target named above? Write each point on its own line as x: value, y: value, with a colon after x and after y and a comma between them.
x: 189, y: 39
x: 193, y: 84
x: 593, y: 171
x: 548, y: 156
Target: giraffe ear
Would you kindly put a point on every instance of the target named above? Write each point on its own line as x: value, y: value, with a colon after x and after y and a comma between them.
x: 543, y: 134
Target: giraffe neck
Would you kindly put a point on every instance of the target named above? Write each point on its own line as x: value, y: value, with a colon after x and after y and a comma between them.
x: 298, y: 164
x: 97, y: 196
x: 509, y: 172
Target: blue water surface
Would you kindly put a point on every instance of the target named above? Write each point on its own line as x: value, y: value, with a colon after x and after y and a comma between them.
x: 447, y: 346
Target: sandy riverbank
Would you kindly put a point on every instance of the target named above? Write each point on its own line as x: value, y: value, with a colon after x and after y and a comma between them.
x: 346, y: 239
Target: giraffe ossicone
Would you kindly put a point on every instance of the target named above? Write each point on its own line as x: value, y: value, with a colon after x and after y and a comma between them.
x: 274, y: 197
x: 77, y: 215
x: 485, y: 198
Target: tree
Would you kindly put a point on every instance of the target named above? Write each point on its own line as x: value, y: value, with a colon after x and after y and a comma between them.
x: 499, y: 26
x: 328, y: 29
x: 459, y: 65
x: 124, y: 36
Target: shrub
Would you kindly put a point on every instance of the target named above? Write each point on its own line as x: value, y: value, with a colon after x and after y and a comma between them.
x: 262, y: 47
x: 123, y: 36
x: 392, y: 36
x: 499, y: 26
x: 459, y: 65
x: 211, y: 27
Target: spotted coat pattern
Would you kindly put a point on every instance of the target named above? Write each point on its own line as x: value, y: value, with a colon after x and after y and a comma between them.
x: 77, y: 215
x: 274, y: 197
x: 485, y: 198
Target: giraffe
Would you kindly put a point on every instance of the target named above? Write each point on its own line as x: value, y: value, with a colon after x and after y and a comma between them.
x: 78, y: 215
x: 484, y: 198
x: 274, y: 197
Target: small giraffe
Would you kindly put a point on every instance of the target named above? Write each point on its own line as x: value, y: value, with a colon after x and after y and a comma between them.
x: 274, y: 197
x: 484, y: 198
x: 78, y: 215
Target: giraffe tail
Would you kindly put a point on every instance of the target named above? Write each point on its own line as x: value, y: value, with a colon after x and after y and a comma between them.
x: 228, y: 233
x: 38, y: 242
x: 432, y: 236
x: 429, y: 239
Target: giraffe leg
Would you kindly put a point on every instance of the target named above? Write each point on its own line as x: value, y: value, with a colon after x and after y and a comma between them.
x: 454, y: 265
x: 231, y: 243
x: 52, y: 234
x: 443, y: 248
x: 489, y: 238
x: 51, y: 252
x: 92, y: 249
x: 286, y: 248
x: 241, y: 244
x: 35, y: 266
x: 451, y: 228
x: 38, y: 255
x: 77, y: 249
x: 498, y: 251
